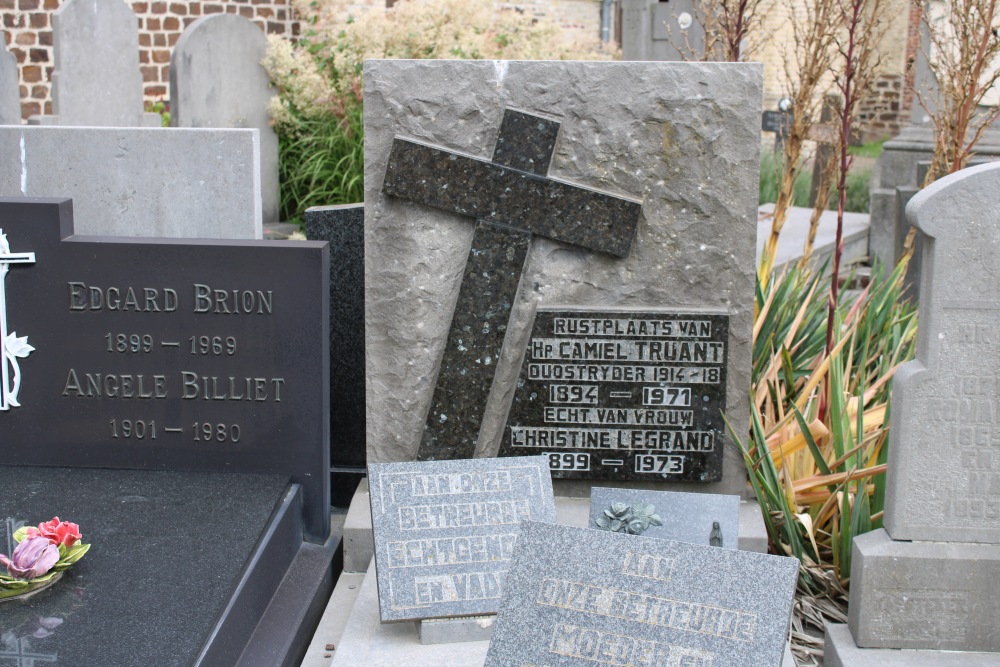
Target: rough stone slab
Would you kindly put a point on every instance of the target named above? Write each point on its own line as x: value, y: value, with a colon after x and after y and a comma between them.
x: 686, y: 517
x: 579, y: 594
x: 182, y: 183
x: 840, y: 651
x: 343, y: 227
x: 943, y: 478
x: 216, y: 80
x: 924, y: 595
x: 445, y: 531
x: 623, y: 394
x: 643, y: 130
x: 96, y: 80
x: 10, y: 92
x: 452, y: 630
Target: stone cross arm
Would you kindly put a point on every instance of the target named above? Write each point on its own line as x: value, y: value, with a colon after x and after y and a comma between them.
x: 501, y: 194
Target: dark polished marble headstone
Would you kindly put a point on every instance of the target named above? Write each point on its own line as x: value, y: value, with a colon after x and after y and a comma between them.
x: 167, y: 354
x: 444, y: 531
x: 344, y: 228
x: 514, y: 195
x: 167, y: 550
x: 579, y: 597
x: 623, y: 394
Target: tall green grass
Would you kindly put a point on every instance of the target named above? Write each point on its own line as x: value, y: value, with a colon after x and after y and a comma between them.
x: 321, y: 163
x: 858, y: 183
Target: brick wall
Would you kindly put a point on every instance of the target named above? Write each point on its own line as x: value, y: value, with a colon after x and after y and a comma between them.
x: 880, y: 115
x: 27, y: 27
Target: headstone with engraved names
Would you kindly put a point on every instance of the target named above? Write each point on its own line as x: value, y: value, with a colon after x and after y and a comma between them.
x: 578, y: 596
x: 171, y: 398
x: 927, y: 580
x: 699, y: 518
x: 217, y: 80
x: 96, y: 81
x: 445, y: 531
x: 513, y: 187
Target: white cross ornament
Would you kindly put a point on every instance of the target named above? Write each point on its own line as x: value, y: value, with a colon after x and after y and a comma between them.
x: 12, y: 347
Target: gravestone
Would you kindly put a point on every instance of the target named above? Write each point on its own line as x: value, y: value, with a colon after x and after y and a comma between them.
x: 344, y: 228
x: 184, y: 183
x: 657, y: 30
x: 171, y: 397
x: 577, y: 596
x: 10, y: 92
x: 699, y: 518
x: 447, y: 327
x: 927, y: 580
x: 96, y: 81
x: 216, y: 80
x: 445, y: 531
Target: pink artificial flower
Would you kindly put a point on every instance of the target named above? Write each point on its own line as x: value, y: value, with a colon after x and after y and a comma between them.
x: 58, y: 532
x: 32, y: 558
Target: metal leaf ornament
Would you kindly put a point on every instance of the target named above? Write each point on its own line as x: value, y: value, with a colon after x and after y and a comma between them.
x: 633, y: 520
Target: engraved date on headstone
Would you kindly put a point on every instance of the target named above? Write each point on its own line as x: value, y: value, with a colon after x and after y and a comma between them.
x: 623, y: 395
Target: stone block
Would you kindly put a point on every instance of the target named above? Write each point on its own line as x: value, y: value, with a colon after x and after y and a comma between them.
x: 185, y: 183
x: 924, y: 595
x: 943, y: 478
x: 839, y: 650
x: 217, y: 80
x: 96, y: 81
x: 343, y: 228
x: 452, y: 630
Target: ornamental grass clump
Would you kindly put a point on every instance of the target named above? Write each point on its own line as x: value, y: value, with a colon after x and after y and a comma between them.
x: 816, y: 450
x: 318, y: 110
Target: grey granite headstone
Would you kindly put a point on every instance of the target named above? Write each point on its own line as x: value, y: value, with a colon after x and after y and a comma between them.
x: 577, y: 597
x: 928, y: 579
x: 216, y: 80
x: 96, y: 81
x: 943, y: 481
x: 445, y: 531
x: 181, y: 183
x: 681, y: 137
x: 343, y: 227
x: 10, y: 92
x: 699, y: 518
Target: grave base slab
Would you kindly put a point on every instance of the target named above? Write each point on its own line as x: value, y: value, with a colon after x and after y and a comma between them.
x: 367, y: 641
x: 924, y: 595
x: 842, y: 651
x: 359, y: 546
x: 184, y: 568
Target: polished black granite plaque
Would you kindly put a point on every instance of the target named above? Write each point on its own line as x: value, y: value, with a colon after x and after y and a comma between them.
x: 623, y: 394
x: 514, y: 195
x: 167, y: 552
x: 200, y: 355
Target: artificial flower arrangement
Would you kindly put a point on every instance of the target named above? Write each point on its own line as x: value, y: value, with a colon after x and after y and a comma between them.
x: 41, y: 556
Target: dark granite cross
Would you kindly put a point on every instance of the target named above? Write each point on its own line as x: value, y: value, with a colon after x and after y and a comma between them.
x: 511, y: 198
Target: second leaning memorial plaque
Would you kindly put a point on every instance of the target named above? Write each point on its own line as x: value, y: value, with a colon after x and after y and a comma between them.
x: 623, y: 394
